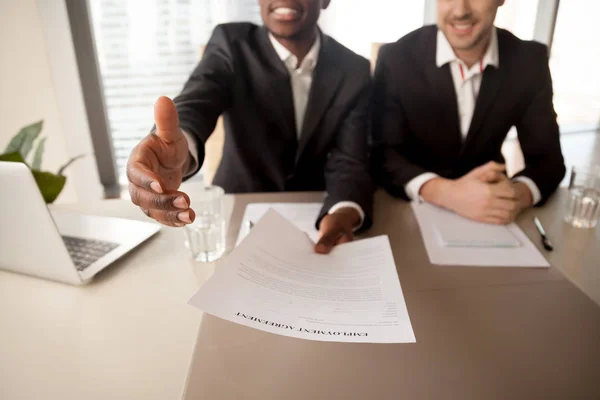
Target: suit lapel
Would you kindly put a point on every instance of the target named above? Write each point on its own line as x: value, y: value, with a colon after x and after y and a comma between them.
x: 491, y: 82
x: 325, y: 85
x: 490, y: 85
x: 279, y: 89
x: 440, y: 79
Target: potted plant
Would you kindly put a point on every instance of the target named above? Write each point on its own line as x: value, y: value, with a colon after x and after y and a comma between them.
x: 20, y: 147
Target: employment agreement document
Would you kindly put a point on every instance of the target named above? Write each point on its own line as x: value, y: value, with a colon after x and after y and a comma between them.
x: 273, y: 281
x: 303, y: 215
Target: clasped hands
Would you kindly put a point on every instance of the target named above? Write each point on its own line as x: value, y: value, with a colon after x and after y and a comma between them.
x: 485, y: 194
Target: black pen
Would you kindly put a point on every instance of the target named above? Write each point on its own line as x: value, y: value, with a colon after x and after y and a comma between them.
x: 545, y: 241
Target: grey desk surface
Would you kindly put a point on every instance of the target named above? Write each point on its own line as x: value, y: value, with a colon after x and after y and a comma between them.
x: 482, y: 333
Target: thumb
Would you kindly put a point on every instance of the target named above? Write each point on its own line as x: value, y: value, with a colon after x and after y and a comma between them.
x: 166, y: 120
x: 489, y: 171
x: 326, y: 242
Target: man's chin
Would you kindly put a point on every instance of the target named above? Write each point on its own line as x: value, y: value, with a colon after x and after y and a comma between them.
x: 286, y: 34
x: 463, y: 44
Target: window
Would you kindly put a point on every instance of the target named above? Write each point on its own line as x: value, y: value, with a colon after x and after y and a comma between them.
x: 148, y: 48
x: 359, y: 24
x: 574, y: 64
x: 518, y: 16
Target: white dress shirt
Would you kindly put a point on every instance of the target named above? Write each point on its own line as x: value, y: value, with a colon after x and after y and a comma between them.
x: 467, y: 82
x: 301, y: 77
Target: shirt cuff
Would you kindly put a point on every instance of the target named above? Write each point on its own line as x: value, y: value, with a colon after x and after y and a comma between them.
x: 413, y: 187
x: 193, y: 149
x: 351, y: 204
x: 536, y: 195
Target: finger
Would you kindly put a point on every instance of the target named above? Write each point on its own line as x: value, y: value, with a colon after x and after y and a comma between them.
x: 345, y: 238
x: 504, y: 190
x: 327, y: 242
x: 167, y: 120
x: 491, y: 176
x: 503, y: 216
x: 173, y: 201
x: 490, y: 166
x: 140, y: 175
x: 509, y: 205
x: 494, y: 166
x: 173, y: 218
x: 493, y: 220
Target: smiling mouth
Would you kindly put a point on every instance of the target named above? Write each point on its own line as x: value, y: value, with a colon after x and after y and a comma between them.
x: 285, y: 13
x: 463, y: 27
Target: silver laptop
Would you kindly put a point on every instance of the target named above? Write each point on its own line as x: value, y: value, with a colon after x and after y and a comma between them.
x: 60, y: 246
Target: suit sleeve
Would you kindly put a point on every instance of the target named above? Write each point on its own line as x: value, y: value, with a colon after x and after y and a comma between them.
x: 389, y: 132
x: 207, y: 92
x: 539, y: 134
x: 347, y: 176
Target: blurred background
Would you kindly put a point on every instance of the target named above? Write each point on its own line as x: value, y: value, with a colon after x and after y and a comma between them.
x: 93, y: 69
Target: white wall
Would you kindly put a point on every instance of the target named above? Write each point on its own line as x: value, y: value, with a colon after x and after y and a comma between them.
x: 32, y: 88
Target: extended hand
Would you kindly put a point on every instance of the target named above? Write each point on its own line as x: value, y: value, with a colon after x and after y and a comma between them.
x: 336, y: 229
x: 156, y: 166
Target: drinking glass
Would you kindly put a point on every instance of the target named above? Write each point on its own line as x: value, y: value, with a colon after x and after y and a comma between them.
x: 584, y: 197
x: 206, y: 236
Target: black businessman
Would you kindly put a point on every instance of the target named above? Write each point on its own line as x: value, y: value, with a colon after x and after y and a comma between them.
x: 294, y: 104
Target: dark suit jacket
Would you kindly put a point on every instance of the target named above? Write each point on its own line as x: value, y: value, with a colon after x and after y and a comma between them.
x: 415, y: 122
x: 242, y: 78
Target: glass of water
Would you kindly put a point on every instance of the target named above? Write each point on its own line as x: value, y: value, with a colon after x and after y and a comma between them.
x: 206, y: 237
x: 583, y: 207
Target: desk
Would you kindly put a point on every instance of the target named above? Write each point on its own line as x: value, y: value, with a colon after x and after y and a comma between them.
x: 127, y: 335
x: 482, y: 333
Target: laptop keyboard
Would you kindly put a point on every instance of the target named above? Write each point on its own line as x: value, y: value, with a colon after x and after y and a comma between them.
x: 85, y: 252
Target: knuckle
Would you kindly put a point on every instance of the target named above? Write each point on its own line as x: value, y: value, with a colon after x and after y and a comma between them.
x: 160, y: 202
x: 172, y: 216
x: 161, y: 217
x: 129, y: 171
x: 151, y: 214
x: 134, y: 193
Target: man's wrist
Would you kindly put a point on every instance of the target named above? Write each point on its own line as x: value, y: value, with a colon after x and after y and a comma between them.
x: 186, y: 165
x: 351, y: 214
x: 524, y: 195
x: 435, y: 190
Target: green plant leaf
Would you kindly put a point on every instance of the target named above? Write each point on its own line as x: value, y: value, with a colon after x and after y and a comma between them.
x: 37, y: 156
x: 50, y: 185
x: 71, y: 161
x: 14, y: 157
x: 23, y: 141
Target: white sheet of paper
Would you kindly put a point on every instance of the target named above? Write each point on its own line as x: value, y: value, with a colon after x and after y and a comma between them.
x: 455, y: 231
x: 303, y: 215
x: 524, y: 255
x: 273, y: 281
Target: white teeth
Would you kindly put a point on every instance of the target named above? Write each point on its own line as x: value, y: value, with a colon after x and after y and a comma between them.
x: 463, y: 26
x: 284, y: 11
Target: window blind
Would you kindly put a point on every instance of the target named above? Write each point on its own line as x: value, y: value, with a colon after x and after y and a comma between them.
x: 148, y: 48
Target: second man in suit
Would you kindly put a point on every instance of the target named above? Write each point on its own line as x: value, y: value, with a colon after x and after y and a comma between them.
x: 445, y: 98
x: 294, y: 103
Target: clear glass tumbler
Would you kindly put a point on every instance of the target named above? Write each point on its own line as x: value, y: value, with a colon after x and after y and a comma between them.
x: 206, y: 237
x: 583, y: 207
